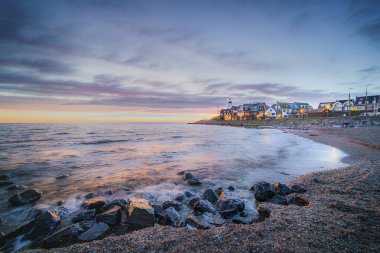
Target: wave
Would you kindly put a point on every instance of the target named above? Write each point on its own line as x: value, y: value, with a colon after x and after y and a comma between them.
x: 102, y: 142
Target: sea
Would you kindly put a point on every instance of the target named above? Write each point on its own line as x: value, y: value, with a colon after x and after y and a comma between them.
x: 122, y: 160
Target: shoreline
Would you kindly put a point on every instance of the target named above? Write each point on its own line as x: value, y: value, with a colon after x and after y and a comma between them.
x: 343, y: 214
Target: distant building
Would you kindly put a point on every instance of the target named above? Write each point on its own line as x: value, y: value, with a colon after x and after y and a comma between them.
x: 373, y: 103
x: 253, y: 111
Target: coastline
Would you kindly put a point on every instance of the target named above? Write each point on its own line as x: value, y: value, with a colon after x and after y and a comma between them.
x: 343, y: 214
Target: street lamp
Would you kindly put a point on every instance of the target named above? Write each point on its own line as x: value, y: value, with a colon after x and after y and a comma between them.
x: 349, y: 101
x: 366, y: 102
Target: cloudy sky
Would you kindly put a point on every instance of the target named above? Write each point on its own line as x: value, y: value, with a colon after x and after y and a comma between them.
x: 180, y: 60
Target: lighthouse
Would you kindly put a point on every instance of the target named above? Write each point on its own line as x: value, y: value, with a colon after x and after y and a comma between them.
x: 229, y: 105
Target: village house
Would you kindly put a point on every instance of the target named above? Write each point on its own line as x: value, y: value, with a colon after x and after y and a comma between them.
x: 373, y: 103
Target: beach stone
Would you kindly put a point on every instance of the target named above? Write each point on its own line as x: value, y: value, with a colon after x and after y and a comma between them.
x: 85, y: 225
x: 16, y: 187
x: 45, y: 223
x: 229, y: 206
x: 169, y: 217
x: 188, y: 176
x: 191, y: 179
x: 157, y: 210
x: 180, y: 197
x: 297, y: 188
x: 264, y: 213
x: 212, y: 219
x: 119, y: 202
x: 60, y: 177
x: 263, y: 191
x: 279, y: 200
x: 89, y: 196
x: 94, y: 203
x: 63, y: 212
x: 28, y: 196
x: 4, y: 177
x: 204, y: 206
x: 297, y: 200
x: 106, y: 207
x: 61, y: 238
x: 193, y: 201
x: 197, y: 222
x: 139, y: 213
x: 96, y: 232
x: 6, y: 183
x: 231, y: 188
x: 189, y: 194
x: 175, y: 204
x: 84, y: 215
x: 281, y: 189
x: 210, y: 195
x: 111, y: 217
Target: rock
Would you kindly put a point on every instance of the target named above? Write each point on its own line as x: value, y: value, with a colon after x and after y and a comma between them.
x: 157, y: 210
x: 1, y: 220
x: 119, y: 202
x: 264, y: 213
x: 60, y: 177
x: 45, y: 223
x: 15, y: 187
x: 294, y: 199
x: 84, y: 215
x: 85, y: 225
x: 180, y: 197
x: 219, y: 191
x: 204, y: 206
x: 94, y: 203
x: 197, y: 222
x: 28, y: 196
x: 193, y: 201
x: 279, y: 200
x: 189, y: 194
x: 175, y: 204
x: 191, y: 179
x: 109, y: 192
x: 89, y: 196
x: 231, y: 188
x: 63, y: 212
x: 228, y: 206
x: 107, y: 207
x: 297, y: 188
x: 212, y: 219
x: 5, y: 183
x: 61, y: 238
x: 59, y: 203
x: 281, y: 189
x: 4, y: 177
x: 111, y: 217
x: 210, y: 195
x: 263, y: 191
x: 96, y: 232
x: 188, y: 176
x: 139, y: 213
x: 169, y: 217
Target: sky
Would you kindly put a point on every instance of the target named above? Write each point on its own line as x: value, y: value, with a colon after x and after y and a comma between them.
x: 120, y: 61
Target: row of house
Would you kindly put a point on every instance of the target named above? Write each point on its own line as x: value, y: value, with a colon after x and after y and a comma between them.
x: 260, y: 110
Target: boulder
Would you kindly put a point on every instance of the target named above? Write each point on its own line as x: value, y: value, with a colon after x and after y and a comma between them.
x: 263, y: 191
x: 188, y: 176
x: 189, y: 194
x: 294, y: 199
x: 45, y: 223
x: 169, y: 217
x: 84, y: 215
x: 180, y: 197
x: 229, y: 206
x: 4, y: 177
x: 231, y: 188
x: 107, y: 207
x: 212, y: 219
x: 94, y: 203
x: 119, y: 202
x: 193, y: 201
x: 28, y: 196
x: 281, y: 189
x: 6, y: 183
x: 204, y: 206
x: 191, y: 179
x: 89, y: 196
x: 175, y: 204
x: 210, y: 195
x: 197, y: 222
x: 61, y: 238
x: 297, y: 188
x: 85, y: 225
x: 139, y: 213
x: 111, y: 217
x: 279, y: 200
x: 157, y: 210
x: 15, y: 187
x: 96, y: 232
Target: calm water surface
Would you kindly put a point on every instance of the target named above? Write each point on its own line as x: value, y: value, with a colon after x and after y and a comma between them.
x: 143, y: 159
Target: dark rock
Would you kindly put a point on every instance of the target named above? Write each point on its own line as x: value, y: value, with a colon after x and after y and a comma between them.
x: 210, y: 195
x: 188, y: 176
x: 298, y: 188
x: 219, y: 191
x: 89, y: 196
x: 4, y: 177
x: 119, y: 202
x: 109, y: 192
x: 63, y: 212
x: 60, y: 177
x: 294, y: 199
x: 139, y: 213
x: 281, y: 189
x: 194, y: 182
x: 107, y: 207
x: 6, y: 183
x: 28, y: 196
x: 96, y: 232
x: 94, y: 203
x: 59, y: 203
x: 189, y: 194
x: 317, y: 181
x: 169, y: 217
x: 231, y: 188
x: 85, y: 225
x: 175, y: 204
x: 181, y: 173
x: 197, y: 222
x: 279, y: 200
x: 264, y: 213
x: 157, y: 210
x: 263, y: 191
x: 180, y: 197
x: 212, y: 219
x: 111, y: 217
x: 61, y: 238
x: 84, y: 215
x: 45, y: 224
x: 204, y: 206
x: 15, y: 187
x: 229, y: 206
x: 1, y: 220
x: 193, y: 201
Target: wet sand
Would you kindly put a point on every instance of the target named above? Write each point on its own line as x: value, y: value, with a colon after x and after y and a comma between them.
x: 343, y: 214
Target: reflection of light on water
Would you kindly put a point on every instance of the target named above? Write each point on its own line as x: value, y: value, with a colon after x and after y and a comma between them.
x: 334, y: 154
